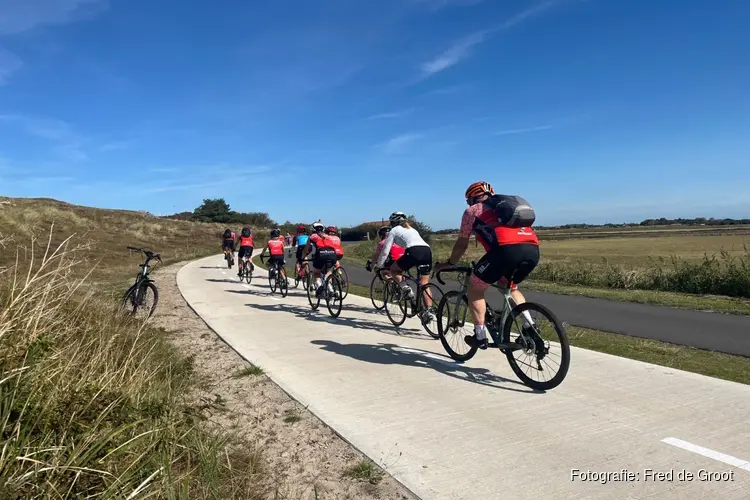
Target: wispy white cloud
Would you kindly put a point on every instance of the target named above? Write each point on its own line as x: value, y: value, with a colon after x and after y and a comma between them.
x: 392, y: 114
x: 455, y: 53
x: 164, y: 170
x: 67, y: 143
x: 202, y: 176
x: 524, y: 130
x: 116, y: 145
x: 23, y: 15
x: 9, y: 64
x: 461, y: 49
x: 399, y: 143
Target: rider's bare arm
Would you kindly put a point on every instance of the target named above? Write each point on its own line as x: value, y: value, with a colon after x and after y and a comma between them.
x: 464, y: 237
x: 306, y: 251
x: 386, y: 250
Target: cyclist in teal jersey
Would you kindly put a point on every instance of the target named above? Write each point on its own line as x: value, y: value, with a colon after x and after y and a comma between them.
x: 300, y: 240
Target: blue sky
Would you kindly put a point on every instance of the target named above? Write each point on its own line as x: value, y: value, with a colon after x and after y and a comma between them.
x: 594, y: 110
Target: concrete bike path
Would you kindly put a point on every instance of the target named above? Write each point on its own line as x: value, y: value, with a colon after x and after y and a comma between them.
x: 473, y: 431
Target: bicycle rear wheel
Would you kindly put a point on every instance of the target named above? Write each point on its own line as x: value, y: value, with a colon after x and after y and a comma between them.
x: 312, y: 296
x: 334, y: 295
x: 395, y: 303
x: 452, y: 314
x: 535, y: 345
x: 377, y: 293
x: 283, y: 283
x: 272, y: 273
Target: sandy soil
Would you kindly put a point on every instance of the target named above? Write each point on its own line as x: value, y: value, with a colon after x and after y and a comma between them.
x: 303, y: 457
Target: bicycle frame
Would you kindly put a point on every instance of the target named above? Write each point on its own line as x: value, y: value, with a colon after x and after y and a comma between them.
x: 498, y: 317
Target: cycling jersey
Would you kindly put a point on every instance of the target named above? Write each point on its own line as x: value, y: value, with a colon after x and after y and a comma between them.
x: 321, y: 242
x: 406, y: 238
x: 301, y: 240
x: 246, y: 241
x: 479, y: 219
x: 396, y: 250
x: 276, y: 247
x: 337, y: 245
x: 231, y: 237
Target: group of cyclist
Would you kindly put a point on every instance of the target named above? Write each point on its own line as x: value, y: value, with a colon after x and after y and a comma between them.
x: 511, y: 253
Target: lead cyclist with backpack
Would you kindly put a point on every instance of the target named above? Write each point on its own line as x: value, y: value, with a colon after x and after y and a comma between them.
x: 509, y: 248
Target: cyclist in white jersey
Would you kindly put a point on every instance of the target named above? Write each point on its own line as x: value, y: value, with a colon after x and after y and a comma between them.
x: 416, y: 253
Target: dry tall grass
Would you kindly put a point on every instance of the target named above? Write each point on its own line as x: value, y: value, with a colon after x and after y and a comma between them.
x: 94, y: 404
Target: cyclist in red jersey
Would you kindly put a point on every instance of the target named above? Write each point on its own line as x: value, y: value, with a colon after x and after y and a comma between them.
x: 275, y: 247
x: 325, y: 254
x: 336, y: 242
x: 396, y: 250
x: 508, y: 250
x: 245, y: 243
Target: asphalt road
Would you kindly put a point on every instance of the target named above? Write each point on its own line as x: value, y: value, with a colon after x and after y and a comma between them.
x: 706, y: 330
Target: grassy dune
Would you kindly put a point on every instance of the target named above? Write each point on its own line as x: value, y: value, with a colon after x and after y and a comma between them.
x: 92, y: 402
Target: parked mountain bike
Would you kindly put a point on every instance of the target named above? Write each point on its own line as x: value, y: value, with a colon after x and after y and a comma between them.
x: 402, y: 302
x: 512, y: 329
x: 135, y: 298
x: 247, y: 268
x: 332, y: 291
x: 277, y: 277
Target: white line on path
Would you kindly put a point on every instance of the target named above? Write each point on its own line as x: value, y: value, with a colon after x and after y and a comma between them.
x: 700, y: 450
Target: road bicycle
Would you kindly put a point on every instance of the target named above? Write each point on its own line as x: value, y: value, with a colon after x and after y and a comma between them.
x: 502, y: 325
x: 247, y: 268
x: 277, y: 277
x: 135, y: 298
x: 301, y: 276
x: 344, y: 275
x: 377, y: 287
x: 403, y: 302
x: 332, y: 291
x: 229, y: 257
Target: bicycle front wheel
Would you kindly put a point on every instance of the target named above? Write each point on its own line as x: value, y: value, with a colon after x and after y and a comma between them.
x: 377, y: 293
x: 428, y: 312
x: 542, y: 346
x: 143, y: 298
x: 452, y: 314
x: 344, y: 277
x: 395, y: 303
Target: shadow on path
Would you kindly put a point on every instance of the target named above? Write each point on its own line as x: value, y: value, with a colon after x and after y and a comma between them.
x: 215, y: 267
x: 388, y: 354
x: 222, y: 280
x: 321, y: 316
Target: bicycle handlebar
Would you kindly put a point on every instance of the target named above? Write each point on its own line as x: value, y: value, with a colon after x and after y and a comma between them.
x: 454, y: 269
x: 149, y: 254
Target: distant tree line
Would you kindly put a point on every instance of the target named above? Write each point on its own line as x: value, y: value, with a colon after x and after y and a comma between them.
x: 363, y: 231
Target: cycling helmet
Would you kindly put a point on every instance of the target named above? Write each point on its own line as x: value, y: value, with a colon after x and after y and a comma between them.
x: 246, y: 231
x: 227, y: 233
x: 478, y: 189
x: 396, y: 218
x: 275, y: 233
x: 301, y: 229
x: 383, y: 231
x: 331, y: 230
x: 317, y: 226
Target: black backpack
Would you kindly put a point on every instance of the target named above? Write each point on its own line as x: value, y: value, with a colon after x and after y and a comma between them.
x: 511, y: 211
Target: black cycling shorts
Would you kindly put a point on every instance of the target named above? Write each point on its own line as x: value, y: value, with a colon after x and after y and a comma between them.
x: 228, y: 244
x: 324, y: 257
x: 300, y: 251
x: 417, y: 256
x: 508, y: 263
x: 245, y: 250
x: 276, y: 258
